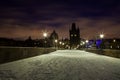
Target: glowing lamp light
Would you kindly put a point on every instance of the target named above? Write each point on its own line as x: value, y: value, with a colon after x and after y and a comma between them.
x: 118, y: 46
x: 101, y: 35
x: 110, y: 46
x: 83, y: 43
x: 60, y: 42
x: 86, y: 41
x: 63, y: 43
x: 56, y: 41
x: 114, y: 40
x: 45, y: 34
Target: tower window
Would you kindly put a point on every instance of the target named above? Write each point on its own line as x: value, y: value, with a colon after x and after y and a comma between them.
x: 71, y: 35
x: 75, y: 35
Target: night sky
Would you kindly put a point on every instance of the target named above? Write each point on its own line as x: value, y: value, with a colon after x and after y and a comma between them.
x: 22, y: 18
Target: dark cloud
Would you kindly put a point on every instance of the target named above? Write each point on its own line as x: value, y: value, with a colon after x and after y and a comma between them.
x: 24, y: 18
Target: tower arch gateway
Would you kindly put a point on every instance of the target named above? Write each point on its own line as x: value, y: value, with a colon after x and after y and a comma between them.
x: 74, y: 34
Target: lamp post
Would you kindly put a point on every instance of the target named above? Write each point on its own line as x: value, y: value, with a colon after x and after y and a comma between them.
x: 56, y: 43
x: 60, y: 44
x: 45, y: 35
x: 86, y: 43
x: 101, y: 37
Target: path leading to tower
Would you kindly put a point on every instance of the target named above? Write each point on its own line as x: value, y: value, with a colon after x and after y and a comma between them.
x: 63, y: 65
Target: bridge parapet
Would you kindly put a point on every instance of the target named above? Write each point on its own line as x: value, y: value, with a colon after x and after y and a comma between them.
x: 107, y: 52
x: 8, y: 54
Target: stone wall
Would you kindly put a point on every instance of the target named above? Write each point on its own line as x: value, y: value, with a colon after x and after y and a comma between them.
x: 8, y: 54
x: 107, y: 52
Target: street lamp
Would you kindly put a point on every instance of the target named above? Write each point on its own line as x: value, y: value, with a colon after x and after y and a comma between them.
x: 87, y: 43
x: 56, y: 40
x: 114, y: 40
x: 56, y: 43
x: 45, y: 35
x: 101, y: 36
x: 60, y: 42
x: 63, y: 44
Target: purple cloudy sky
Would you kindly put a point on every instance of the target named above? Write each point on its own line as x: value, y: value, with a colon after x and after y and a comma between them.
x: 23, y: 18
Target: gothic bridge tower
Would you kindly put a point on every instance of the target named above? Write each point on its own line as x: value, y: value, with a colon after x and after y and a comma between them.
x: 74, y: 34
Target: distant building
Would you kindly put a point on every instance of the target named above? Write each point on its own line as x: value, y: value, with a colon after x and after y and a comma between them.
x: 29, y: 42
x: 53, y: 37
x: 7, y: 42
x: 74, y: 34
x: 111, y: 43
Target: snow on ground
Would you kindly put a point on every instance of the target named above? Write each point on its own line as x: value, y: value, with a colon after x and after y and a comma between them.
x: 63, y: 65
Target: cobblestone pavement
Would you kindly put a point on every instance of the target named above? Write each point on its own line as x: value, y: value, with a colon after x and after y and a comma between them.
x: 63, y: 65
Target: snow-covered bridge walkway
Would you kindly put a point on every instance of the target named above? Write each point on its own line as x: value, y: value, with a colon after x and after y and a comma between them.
x: 63, y: 65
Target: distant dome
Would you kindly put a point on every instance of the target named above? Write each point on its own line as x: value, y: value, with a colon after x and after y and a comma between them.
x: 54, y: 35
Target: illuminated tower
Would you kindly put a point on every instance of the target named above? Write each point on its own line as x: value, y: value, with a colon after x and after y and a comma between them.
x: 74, y: 34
